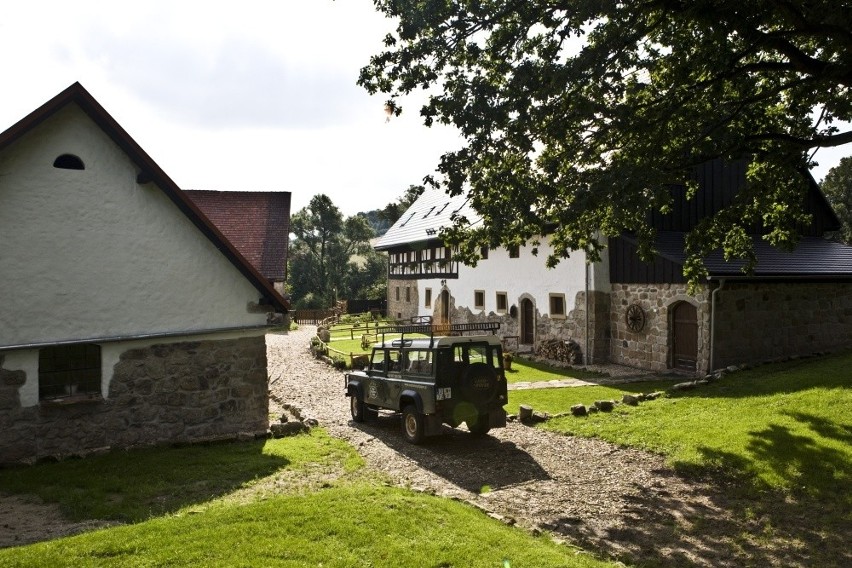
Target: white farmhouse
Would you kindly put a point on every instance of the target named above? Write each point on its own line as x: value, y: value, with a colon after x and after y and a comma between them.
x: 513, y: 286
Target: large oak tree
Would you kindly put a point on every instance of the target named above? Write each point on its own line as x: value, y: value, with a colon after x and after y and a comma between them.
x: 578, y: 114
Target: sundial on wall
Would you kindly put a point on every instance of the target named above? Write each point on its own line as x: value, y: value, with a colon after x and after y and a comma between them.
x: 635, y: 317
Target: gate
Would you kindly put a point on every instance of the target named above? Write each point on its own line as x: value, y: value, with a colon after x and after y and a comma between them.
x: 685, y: 337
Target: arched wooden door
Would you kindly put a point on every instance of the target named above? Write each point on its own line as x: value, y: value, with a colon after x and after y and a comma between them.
x: 445, y: 307
x: 685, y: 337
x: 527, y: 322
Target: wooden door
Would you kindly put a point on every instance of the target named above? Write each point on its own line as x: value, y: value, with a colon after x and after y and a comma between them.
x: 685, y: 337
x: 445, y: 307
x: 527, y: 322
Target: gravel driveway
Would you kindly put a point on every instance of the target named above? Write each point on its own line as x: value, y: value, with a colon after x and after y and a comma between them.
x: 618, y: 502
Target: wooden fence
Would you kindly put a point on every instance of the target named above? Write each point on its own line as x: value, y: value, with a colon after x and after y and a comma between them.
x: 313, y: 317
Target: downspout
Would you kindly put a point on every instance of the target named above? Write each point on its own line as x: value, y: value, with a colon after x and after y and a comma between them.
x: 589, y: 357
x: 713, y: 325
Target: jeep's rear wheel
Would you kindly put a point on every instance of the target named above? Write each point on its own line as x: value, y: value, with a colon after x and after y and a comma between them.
x: 480, y: 426
x: 357, y: 408
x: 413, y: 424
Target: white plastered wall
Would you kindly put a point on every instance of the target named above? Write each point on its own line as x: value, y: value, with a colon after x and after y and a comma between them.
x: 89, y: 254
x: 525, y: 275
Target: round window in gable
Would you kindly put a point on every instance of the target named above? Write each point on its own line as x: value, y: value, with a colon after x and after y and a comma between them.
x: 69, y: 162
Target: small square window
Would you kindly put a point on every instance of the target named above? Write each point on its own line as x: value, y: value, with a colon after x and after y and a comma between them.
x: 427, y: 295
x: 502, y: 302
x: 557, y: 305
x: 69, y: 370
x: 514, y: 251
x: 479, y: 299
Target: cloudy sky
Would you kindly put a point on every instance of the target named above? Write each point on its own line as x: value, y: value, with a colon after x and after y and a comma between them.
x: 251, y: 95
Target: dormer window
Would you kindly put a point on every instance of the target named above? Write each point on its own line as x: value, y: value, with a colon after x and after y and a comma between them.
x: 69, y: 162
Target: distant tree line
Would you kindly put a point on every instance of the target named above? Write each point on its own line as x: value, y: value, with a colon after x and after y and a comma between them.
x: 331, y: 257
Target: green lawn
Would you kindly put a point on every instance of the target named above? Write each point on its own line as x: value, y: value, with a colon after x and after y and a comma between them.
x: 526, y: 371
x: 786, y: 427
x: 194, y: 507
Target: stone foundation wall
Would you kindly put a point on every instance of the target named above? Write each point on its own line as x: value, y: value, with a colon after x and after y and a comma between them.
x: 766, y: 321
x: 571, y: 327
x: 167, y: 393
x: 402, y: 309
x: 650, y: 348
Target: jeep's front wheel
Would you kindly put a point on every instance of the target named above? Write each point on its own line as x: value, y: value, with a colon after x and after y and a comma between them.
x: 413, y: 424
x: 358, y: 409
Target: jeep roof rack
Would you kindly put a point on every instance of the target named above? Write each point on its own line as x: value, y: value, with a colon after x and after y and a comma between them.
x: 424, y: 325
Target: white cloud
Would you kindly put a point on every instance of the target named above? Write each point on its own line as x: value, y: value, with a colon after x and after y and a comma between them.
x: 255, y: 95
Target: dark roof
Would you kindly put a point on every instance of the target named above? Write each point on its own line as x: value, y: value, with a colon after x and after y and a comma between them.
x: 813, y: 257
x: 425, y: 218
x: 719, y: 182
x: 256, y: 222
x: 149, y: 171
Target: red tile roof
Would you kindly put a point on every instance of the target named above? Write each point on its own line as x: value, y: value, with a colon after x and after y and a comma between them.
x: 256, y: 222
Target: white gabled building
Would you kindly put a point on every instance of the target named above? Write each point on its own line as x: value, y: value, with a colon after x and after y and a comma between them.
x: 126, y: 318
x: 533, y: 303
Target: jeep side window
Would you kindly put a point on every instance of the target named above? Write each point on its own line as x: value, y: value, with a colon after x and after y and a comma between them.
x: 459, y: 354
x: 393, y: 362
x: 420, y: 362
x: 378, y: 362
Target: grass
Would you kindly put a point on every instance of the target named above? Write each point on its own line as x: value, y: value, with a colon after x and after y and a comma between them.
x: 785, y: 427
x: 526, y: 371
x: 132, y: 486
x: 355, y: 524
x: 352, y: 522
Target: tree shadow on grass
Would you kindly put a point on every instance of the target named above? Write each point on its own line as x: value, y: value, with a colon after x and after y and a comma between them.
x: 736, y: 514
x: 132, y: 486
x: 719, y: 525
x: 727, y: 517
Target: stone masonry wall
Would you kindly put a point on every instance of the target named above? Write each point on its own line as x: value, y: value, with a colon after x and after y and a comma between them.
x: 766, y: 321
x: 403, y: 309
x: 650, y: 348
x: 167, y: 393
x: 571, y: 327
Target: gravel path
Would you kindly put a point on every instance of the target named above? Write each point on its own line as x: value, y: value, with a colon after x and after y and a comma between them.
x: 619, y: 502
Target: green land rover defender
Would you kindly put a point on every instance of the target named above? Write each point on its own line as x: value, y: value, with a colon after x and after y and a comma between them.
x: 433, y: 379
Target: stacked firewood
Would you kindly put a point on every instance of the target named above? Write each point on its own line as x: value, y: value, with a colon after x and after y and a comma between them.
x: 559, y: 350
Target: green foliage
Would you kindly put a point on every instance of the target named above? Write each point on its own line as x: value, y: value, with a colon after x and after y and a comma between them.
x: 382, y: 219
x: 576, y: 119
x: 837, y: 187
x: 320, y: 255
